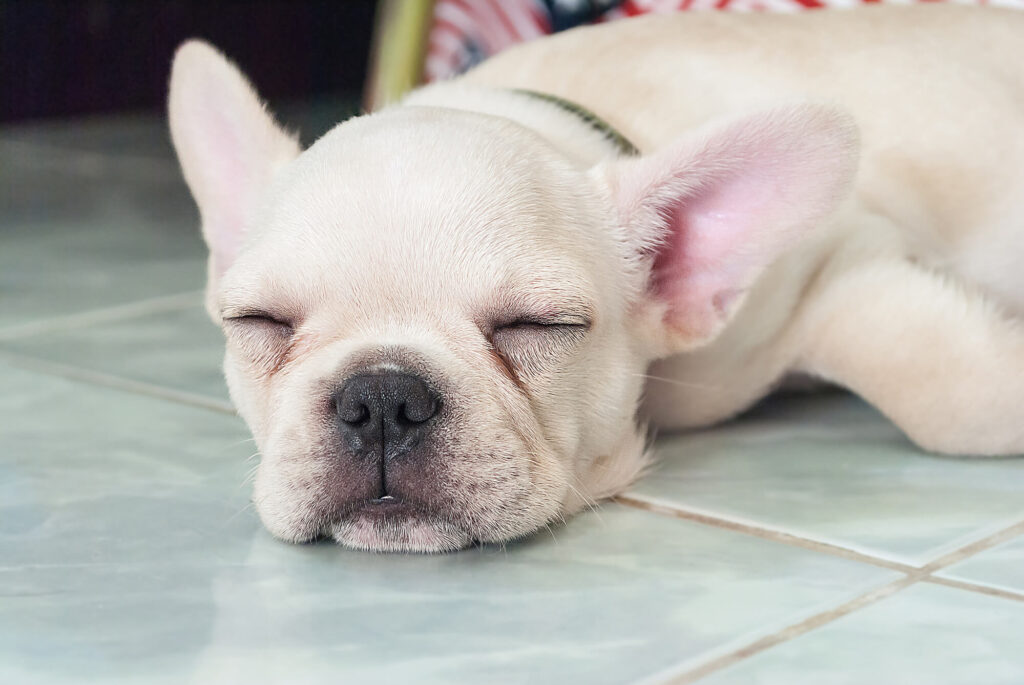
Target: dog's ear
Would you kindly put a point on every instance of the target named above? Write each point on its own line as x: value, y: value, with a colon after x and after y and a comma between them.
x: 229, y: 147
x: 707, y: 214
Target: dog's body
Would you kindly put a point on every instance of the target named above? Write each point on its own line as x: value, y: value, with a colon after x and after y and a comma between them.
x: 492, y: 250
x: 938, y: 97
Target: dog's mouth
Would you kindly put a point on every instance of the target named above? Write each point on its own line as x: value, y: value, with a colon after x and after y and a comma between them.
x: 394, y: 524
x: 384, y: 507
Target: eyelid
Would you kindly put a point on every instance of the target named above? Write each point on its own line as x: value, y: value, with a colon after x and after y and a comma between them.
x: 242, y: 322
x: 566, y: 320
x: 241, y: 315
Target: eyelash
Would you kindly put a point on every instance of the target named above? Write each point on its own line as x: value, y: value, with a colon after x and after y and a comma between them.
x: 528, y: 354
x: 257, y: 317
x: 260, y: 337
x: 535, y: 344
x: 527, y: 322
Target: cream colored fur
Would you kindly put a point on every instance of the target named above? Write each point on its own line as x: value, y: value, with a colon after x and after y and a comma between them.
x: 745, y: 247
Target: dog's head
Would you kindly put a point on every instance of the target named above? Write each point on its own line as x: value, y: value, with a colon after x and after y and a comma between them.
x: 437, y: 324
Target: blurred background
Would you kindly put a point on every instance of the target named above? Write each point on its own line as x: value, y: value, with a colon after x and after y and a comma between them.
x: 316, y: 61
x: 61, y: 59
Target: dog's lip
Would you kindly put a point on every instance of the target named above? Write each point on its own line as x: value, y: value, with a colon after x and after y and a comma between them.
x: 393, y: 523
x: 388, y: 506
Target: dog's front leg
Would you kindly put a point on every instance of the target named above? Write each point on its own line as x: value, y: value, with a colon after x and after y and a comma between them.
x: 943, y: 362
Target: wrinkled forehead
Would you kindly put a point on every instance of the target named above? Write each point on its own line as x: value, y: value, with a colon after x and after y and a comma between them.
x: 423, y: 205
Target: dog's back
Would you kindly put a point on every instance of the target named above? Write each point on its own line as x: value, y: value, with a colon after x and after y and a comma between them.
x: 938, y: 93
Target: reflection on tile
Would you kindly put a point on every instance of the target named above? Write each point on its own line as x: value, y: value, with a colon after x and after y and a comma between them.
x: 829, y: 467
x: 128, y: 553
x: 603, y: 600
x: 924, y: 634
x: 103, y: 448
x: 178, y: 348
x: 110, y: 503
x: 1001, y: 567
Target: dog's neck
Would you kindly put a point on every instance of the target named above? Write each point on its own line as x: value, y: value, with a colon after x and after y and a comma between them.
x: 580, y: 134
x: 587, y: 118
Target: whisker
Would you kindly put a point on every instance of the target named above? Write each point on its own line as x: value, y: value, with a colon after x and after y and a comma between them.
x: 685, y: 384
x: 250, y: 475
x: 238, y: 513
x: 589, y: 503
x: 225, y: 448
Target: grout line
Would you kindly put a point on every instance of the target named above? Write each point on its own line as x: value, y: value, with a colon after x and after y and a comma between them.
x: 973, y: 548
x: 915, y: 575
x: 119, y: 383
x: 766, y: 533
x: 975, y: 587
x: 103, y: 315
x: 793, y: 631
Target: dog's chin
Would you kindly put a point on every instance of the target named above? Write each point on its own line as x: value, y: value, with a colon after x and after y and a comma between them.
x: 391, y: 525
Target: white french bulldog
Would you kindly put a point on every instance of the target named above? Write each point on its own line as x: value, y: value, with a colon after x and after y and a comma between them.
x: 440, y: 317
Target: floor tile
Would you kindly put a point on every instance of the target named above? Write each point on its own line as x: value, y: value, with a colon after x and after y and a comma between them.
x: 1001, y: 567
x: 88, y: 232
x: 127, y: 553
x: 830, y: 468
x: 176, y: 348
x: 924, y: 634
x: 84, y: 465
x: 97, y: 214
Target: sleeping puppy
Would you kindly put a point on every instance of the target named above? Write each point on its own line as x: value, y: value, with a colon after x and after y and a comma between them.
x: 441, y: 318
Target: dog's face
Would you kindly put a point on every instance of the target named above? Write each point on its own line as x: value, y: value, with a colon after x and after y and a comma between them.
x: 437, y: 325
x: 412, y: 337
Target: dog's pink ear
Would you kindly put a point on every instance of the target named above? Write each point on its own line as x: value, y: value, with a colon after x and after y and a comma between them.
x: 710, y: 212
x: 228, y: 144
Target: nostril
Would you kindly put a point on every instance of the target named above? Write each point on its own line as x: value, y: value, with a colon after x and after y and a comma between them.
x: 354, y: 414
x: 418, y: 410
x: 386, y: 413
x: 351, y: 406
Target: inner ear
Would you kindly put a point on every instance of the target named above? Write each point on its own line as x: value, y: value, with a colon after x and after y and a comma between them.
x: 229, y: 147
x: 710, y: 212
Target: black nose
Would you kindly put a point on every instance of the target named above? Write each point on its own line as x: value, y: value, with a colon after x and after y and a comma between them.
x: 385, y: 414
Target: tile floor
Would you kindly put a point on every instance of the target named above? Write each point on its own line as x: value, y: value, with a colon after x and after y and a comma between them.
x: 806, y: 543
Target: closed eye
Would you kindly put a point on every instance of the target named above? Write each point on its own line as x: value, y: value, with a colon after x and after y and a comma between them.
x: 262, y: 319
x: 261, y: 338
x: 534, y: 345
x: 255, y: 317
x: 542, y: 323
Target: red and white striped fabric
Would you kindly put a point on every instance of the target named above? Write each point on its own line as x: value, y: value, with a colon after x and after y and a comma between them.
x: 465, y: 32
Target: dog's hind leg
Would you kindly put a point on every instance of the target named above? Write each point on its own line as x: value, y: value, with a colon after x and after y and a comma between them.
x: 942, y: 362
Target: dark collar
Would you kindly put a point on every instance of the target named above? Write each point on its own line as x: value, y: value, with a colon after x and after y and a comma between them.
x: 612, y: 135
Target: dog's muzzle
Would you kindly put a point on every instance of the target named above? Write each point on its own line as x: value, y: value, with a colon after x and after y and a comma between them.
x: 383, y: 417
